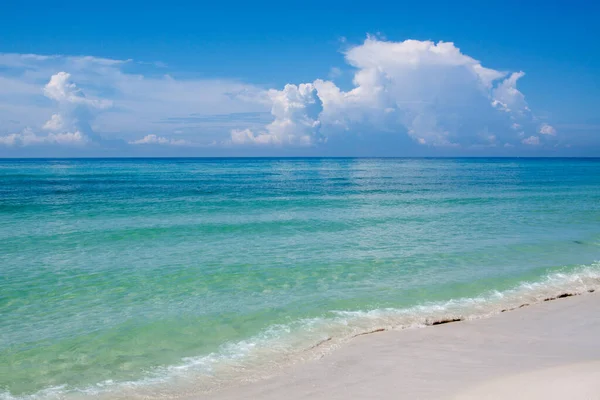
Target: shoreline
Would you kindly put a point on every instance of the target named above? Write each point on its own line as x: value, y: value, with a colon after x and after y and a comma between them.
x: 361, y: 354
x: 470, y: 359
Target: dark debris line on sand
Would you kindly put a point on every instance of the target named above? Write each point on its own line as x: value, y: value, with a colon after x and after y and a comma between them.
x: 320, y: 343
x: 560, y: 296
x: 446, y: 321
x: 450, y: 320
x: 368, y: 333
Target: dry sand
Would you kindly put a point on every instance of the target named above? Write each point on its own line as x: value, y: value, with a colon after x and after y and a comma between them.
x: 545, y: 351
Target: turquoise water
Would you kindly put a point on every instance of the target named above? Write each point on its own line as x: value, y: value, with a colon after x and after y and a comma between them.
x: 138, y: 277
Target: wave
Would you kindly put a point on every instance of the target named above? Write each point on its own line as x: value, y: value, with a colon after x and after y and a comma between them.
x: 264, y: 355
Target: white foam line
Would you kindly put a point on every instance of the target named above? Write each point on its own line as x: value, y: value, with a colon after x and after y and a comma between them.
x: 280, y: 344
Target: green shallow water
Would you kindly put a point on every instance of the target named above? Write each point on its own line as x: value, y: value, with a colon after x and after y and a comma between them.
x: 135, y: 270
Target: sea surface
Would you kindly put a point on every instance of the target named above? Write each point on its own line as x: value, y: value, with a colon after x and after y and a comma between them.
x: 164, y: 277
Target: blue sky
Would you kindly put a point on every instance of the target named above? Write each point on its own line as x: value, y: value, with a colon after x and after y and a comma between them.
x: 137, y: 79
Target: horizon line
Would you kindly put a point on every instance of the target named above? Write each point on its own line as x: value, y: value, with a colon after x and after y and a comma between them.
x: 292, y: 157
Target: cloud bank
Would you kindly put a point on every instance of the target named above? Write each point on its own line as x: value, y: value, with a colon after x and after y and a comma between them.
x: 430, y: 94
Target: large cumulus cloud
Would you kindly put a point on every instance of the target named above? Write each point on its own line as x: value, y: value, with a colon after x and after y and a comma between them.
x: 429, y: 91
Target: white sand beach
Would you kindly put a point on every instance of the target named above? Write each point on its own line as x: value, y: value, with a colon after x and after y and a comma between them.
x: 544, y: 351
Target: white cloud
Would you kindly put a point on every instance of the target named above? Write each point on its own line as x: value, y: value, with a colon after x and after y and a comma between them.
x: 76, y: 111
x: 72, y: 138
x: 28, y: 138
x: 430, y: 91
x: 507, y: 97
x: 154, y: 139
x: 19, y: 139
x: 546, y: 129
x: 296, y: 111
x: 55, y: 123
x: 531, y: 141
x: 61, y: 89
x: 246, y: 136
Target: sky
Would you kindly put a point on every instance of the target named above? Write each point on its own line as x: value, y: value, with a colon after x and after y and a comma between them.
x: 437, y: 78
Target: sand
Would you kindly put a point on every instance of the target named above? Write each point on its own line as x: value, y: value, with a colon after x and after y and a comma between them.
x: 545, y: 351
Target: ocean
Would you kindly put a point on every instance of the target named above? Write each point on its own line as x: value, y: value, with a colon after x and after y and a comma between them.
x: 152, y: 278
